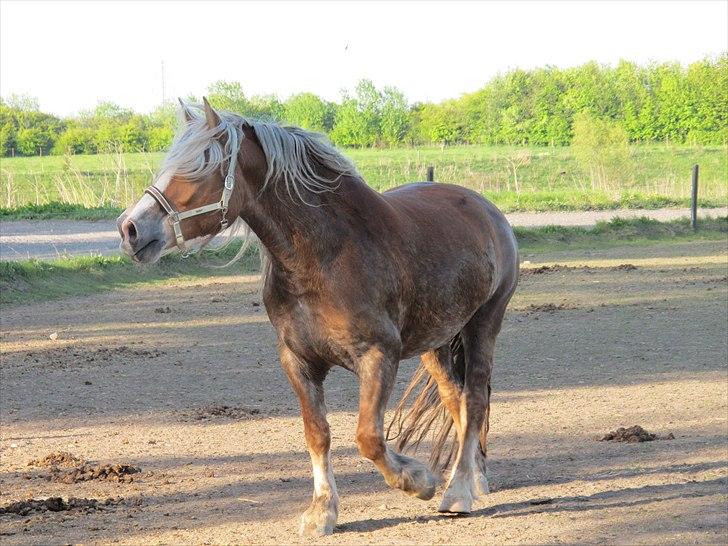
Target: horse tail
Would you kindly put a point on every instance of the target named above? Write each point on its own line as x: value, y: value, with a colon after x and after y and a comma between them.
x: 413, y: 422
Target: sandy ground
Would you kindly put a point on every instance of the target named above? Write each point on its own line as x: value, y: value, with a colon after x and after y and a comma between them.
x: 125, y: 383
x: 48, y: 239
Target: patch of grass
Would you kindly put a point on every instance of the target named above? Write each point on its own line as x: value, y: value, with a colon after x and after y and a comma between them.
x: 39, y: 280
x: 619, y: 232
x: 657, y: 175
x: 56, y: 211
x: 36, y: 280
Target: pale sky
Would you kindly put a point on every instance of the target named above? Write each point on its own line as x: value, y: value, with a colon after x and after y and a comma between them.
x: 72, y: 55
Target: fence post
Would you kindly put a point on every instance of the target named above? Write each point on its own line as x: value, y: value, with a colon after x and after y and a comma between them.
x: 694, y: 200
x: 430, y: 174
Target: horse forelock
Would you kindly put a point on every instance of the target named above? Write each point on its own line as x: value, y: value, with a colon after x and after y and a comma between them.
x: 301, y: 161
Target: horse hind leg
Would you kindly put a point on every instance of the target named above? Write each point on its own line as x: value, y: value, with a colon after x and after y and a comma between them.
x: 377, y: 373
x: 468, y: 478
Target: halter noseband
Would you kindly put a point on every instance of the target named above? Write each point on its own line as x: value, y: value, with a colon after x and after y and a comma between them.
x: 221, y: 205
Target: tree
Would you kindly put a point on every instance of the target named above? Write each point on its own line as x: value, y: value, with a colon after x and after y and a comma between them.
x: 395, y: 119
x: 33, y: 141
x: 228, y: 96
x: 308, y: 111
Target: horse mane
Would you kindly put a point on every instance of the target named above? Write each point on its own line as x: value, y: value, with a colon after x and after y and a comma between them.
x: 299, y: 159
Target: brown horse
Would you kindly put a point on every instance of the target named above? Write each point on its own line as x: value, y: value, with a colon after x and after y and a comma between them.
x: 354, y: 278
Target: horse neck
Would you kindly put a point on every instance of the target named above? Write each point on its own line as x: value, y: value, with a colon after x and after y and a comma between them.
x: 299, y: 236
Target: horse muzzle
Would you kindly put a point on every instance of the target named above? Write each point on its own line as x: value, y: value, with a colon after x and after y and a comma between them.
x: 142, y: 239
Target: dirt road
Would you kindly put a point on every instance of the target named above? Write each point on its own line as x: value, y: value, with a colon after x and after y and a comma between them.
x: 48, y: 239
x: 182, y: 381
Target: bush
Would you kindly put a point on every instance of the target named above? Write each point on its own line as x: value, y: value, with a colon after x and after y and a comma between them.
x: 601, y: 148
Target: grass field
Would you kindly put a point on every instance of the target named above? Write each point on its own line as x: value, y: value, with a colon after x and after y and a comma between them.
x: 548, y: 179
x: 36, y: 280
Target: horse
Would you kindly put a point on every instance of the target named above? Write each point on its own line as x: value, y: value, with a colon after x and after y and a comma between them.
x: 352, y: 278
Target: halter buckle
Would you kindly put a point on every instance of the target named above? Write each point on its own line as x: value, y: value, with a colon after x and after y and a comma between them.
x: 229, y: 181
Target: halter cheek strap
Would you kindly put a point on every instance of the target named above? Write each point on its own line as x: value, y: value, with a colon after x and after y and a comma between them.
x: 222, y: 205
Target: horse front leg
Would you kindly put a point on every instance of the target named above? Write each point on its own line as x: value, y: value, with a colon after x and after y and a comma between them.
x: 320, y: 518
x: 377, y: 373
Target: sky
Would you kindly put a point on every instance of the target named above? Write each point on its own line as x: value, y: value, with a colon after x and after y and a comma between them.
x: 73, y: 55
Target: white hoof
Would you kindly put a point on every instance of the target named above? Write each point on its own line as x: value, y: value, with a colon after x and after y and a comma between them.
x: 458, y: 498
x: 318, y: 520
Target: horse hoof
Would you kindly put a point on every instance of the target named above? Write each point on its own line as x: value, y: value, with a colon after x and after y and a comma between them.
x: 310, y: 528
x: 451, y: 505
x: 422, y: 484
x: 318, y: 521
x: 427, y: 492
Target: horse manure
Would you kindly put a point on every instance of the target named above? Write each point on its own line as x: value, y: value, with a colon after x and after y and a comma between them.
x: 57, y: 504
x: 163, y: 310
x: 57, y: 458
x: 208, y: 412
x: 633, y: 435
x: 120, y: 473
x: 623, y: 267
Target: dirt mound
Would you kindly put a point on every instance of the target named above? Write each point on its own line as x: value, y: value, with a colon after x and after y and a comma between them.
x: 547, y: 308
x: 57, y: 504
x: 209, y: 412
x: 85, y: 472
x: 63, y: 356
x: 633, y: 435
x: 57, y: 458
x: 529, y: 272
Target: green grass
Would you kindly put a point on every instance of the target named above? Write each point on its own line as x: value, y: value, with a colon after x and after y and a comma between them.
x: 39, y: 280
x: 36, y: 280
x: 57, y: 210
x: 619, y: 232
x: 657, y: 176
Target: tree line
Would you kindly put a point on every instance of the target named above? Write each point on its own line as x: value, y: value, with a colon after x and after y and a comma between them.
x: 664, y: 102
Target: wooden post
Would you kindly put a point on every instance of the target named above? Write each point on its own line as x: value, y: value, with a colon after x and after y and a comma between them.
x: 694, y: 200
x: 430, y: 174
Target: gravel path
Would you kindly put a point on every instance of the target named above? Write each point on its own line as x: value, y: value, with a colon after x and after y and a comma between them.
x: 46, y: 239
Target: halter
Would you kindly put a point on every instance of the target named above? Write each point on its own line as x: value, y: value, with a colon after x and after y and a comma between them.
x: 221, y: 205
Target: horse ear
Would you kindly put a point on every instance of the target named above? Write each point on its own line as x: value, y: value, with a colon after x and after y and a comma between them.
x: 185, y: 110
x: 213, y: 120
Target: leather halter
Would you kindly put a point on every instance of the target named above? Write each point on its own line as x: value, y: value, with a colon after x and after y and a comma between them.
x: 222, y: 205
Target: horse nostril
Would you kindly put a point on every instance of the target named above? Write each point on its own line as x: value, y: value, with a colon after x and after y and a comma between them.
x: 130, y: 231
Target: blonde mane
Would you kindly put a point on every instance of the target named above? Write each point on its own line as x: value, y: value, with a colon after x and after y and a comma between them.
x: 291, y: 153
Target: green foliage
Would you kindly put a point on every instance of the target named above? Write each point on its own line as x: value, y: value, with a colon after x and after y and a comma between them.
x: 664, y: 102
x: 308, y: 111
x: 601, y: 148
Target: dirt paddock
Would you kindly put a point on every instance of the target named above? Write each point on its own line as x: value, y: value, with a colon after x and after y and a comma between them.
x: 195, y: 399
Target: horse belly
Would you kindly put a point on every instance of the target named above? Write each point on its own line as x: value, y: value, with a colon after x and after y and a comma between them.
x: 441, y: 309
